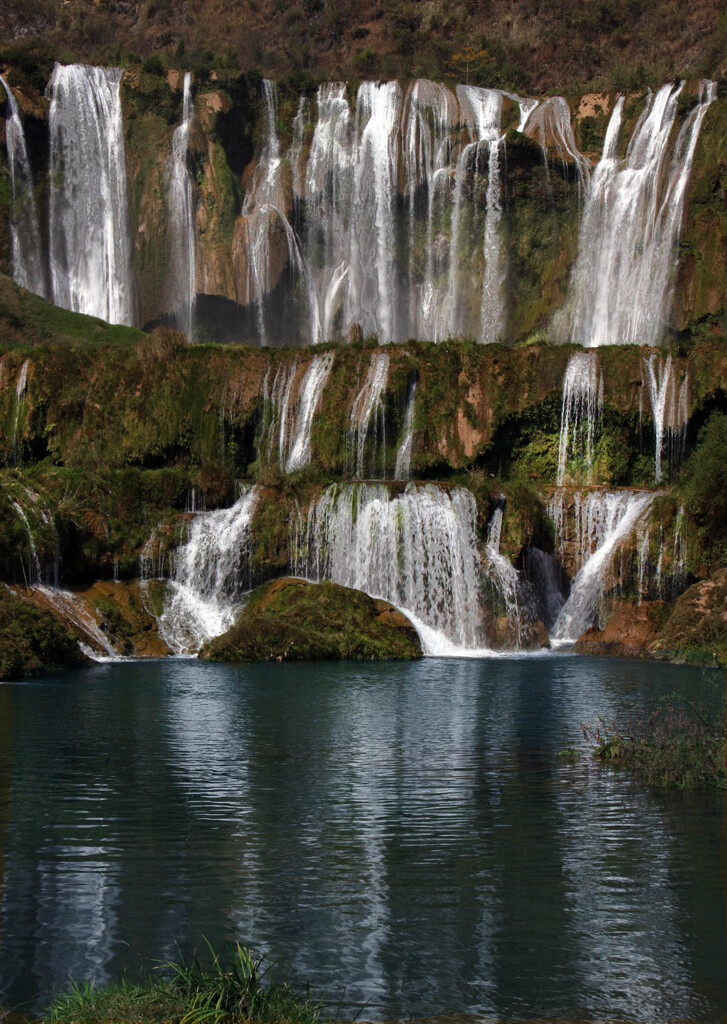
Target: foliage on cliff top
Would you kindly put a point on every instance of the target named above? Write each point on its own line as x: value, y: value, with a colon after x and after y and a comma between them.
x: 528, y: 45
x: 291, y: 620
x: 32, y: 640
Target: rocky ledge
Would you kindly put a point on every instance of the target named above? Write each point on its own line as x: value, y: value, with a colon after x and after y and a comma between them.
x: 292, y: 620
x: 691, y: 631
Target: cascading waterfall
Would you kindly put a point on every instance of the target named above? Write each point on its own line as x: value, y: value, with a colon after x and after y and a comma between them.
x: 182, y: 218
x: 622, y: 282
x: 402, y: 470
x: 309, y: 396
x: 549, y: 124
x: 418, y: 268
x: 28, y: 269
x: 33, y: 577
x: 503, y: 573
x: 368, y: 411
x: 328, y: 193
x: 417, y: 550
x: 211, y: 574
x: 371, y: 299
x: 582, y: 401
x: 603, y: 521
x: 670, y: 411
x: 432, y: 114
x: 482, y: 113
x: 90, y: 247
x: 21, y: 386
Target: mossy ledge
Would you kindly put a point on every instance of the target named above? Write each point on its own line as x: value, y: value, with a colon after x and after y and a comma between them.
x: 292, y: 620
x: 32, y: 640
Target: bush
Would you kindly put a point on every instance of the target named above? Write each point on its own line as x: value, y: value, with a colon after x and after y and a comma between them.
x: 676, y: 747
x: 705, y: 489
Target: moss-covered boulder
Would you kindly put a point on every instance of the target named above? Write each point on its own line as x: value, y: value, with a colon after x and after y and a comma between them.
x: 32, y: 640
x: 696, y: 632
x: 292, y: 620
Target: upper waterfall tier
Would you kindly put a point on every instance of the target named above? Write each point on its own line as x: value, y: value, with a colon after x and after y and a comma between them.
x: 90, y: 244
x: 400, y: 210
x: 622, y: 283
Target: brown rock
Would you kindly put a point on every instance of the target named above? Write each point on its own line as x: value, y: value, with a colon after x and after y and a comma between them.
x: 631, y: 632
x: 697, y: 628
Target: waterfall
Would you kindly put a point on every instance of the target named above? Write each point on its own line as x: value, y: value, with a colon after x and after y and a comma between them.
x: 582, y: 401
x: 482, y: 114
x: 261, y: 208
x: 622, y: 281
x: 426, y: 133
x: 90, y: 247
x: 670, y: 411
x: 549, y: 124
x: 503, y: 574
x: 309, y: 396
x: 402, y: 469
x: 211, y: 573
x: 28, y: 269
x: 182, y: 218
x: 367, y: 408
x: 603, y: 521
x: 328, y: 194
x: 417, y: 550
x: 21, y: 386
x: 34, y: 576
x: 372, y: 292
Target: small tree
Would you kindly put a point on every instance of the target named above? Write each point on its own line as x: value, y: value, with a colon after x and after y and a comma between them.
x: 470, y: 62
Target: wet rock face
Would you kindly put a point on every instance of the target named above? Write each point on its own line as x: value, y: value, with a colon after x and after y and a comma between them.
x: 631, y: 632
x: 291, y: 620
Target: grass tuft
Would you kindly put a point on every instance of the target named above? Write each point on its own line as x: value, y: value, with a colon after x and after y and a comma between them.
x: 193, y: 992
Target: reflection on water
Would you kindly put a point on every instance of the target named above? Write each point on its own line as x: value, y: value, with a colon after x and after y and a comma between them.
x: 405, y: 831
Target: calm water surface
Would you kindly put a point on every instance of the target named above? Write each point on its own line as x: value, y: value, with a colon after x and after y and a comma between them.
x: 404, y: 831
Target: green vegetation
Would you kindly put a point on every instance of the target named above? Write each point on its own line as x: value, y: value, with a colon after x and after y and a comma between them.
x: 291, y: 620
x: 32, y: 640
x: 678, y: 747
x: 191, y: 993
x: 705, y: 487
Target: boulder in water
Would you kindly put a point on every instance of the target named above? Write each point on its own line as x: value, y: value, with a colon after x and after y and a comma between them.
x: 293, y: 620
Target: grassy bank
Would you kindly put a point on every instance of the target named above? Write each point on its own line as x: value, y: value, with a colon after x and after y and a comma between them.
x: 197, y: 992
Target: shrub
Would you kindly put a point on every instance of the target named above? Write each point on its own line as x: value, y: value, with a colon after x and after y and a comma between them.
x: 677, y: 747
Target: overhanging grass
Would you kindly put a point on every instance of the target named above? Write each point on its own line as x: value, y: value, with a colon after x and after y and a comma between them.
x: 191, y: 993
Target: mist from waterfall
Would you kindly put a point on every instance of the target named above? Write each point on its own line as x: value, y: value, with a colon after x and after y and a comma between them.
x: 90, y: 245
x: 622, y: 282
x: 27, y: 253
x: 182, y: 219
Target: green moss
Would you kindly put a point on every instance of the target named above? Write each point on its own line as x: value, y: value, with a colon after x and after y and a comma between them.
x: 32, y: 640
x: 291, y: 620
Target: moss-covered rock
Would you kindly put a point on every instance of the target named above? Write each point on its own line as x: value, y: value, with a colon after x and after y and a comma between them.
x: 292, y: 620
x: 32, y: 640
x: 696, y: 632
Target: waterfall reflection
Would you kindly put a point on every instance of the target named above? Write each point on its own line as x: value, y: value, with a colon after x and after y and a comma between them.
x: 404, y: 830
